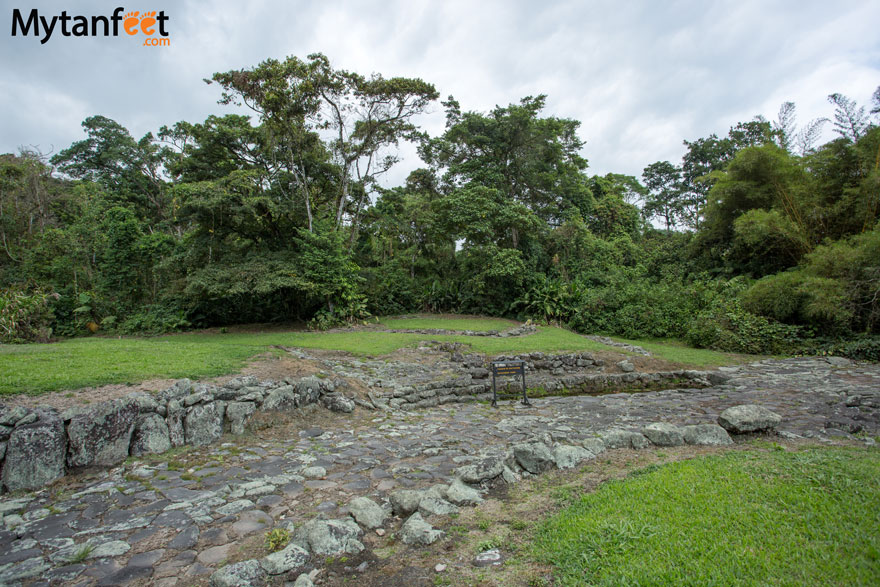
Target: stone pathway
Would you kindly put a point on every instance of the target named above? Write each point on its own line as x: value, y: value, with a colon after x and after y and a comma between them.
x: 173, y: 520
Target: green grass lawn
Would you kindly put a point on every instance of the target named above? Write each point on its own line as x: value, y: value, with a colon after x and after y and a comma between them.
x: 764, y: 517
x: 447, y: 323
x: 678, y: 352
x: 83, y: 362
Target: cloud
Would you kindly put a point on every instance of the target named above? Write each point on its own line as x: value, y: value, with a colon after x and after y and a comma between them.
x: 640, y: 76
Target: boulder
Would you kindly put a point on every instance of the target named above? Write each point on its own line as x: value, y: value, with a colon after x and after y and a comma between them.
x: 461, y: 494
x: 291, y: 558
x: 150, y: 435
x: 626, y: 366
x: 405, y: 501
x: 435, y: 506
x: 203, y: 424
x: 247, y: 573
x: 568, y: 457
x: 310, y: 388
x: 329, y: 537
x: 336, y: 402
x: 748, y: 418
x: 174, y: 420
x: 367, y: 512
x: 238, y: 414
x: 594, y: 445
x: 617, y: 438
x: 706, y: 434
x: 487, y: 467
x: 534, y: 457
x: 282, y: 399
x: 417, y: 531
x: 35, y: 453
x: 663, y: 434
x: 101, y: 436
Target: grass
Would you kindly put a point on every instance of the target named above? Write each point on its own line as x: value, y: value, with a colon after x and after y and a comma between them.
x: 448, y: 323
x: 84, y: 362
x: 745, y: 518
x: 677, y: 352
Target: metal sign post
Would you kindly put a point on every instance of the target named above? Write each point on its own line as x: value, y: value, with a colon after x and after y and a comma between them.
x: 509, y: 368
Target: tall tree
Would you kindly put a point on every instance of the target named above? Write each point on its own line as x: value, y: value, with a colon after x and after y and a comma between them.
x: 364, y: 115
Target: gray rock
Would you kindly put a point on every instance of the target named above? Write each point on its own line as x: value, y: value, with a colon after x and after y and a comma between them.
x: 174, y: 420
x: 367, y: 512
x: 706, y: 434
x: 303, y: 581
x: 291, y: 558
x: 838, y: 361
x: 487, y: 467
x: 568, y: 457
x: 461, y: 494
x: 150, y: 435
x: 112, y: 548
x: 329, y: 537
x: 748, y: 418
x: 27, y: 569
x: 417, y: 531
x: 238, y: 414
x: 282, y: 399
x: 489, y: 558
x: 534, y: 457
x: 663, y: 434
x: 11, y: 416
x: 626, y: 366
x: 247, y: 573
x: 101, y: 436
x: 309, y: 389
x: 336, y: 402
x: 314, y: 472
x: 234, y: 507
x: 435, y: 506
x: 35, y: 454
x: 203, y: 424
x: 186, y: 538
x: 594, y: 445
x: 405, y: 501
x: 616, y: 438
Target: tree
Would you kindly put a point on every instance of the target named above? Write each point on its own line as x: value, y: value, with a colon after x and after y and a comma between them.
x: 364, y: 115
x: 664, y: 201
x: 850, y: 121
x: 526, y: 159
x: 129, y: 170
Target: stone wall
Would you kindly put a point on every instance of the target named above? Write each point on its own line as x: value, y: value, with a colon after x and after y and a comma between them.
x: 38, y: 446
x: 573, y: 372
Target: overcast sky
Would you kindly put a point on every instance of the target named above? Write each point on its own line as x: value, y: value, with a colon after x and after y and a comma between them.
x: 640, y: 76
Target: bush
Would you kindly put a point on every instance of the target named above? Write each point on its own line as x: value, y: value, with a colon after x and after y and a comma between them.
x: 865, y: 348
x: 726, y: 326
x: 25, y: 316
x: 155, y: 319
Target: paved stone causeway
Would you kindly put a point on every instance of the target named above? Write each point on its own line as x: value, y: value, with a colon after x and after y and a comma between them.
x: 174, y: 520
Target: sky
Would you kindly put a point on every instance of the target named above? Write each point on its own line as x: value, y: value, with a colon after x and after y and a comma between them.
x: 640, y: 76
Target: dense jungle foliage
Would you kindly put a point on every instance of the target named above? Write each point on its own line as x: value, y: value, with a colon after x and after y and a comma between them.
x: 758, y: 241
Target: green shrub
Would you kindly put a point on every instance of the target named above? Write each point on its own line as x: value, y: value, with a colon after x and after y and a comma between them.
x: 866, y: 348
x: 155, y: 319
x: 726, y: 326
x: 25, y: 316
